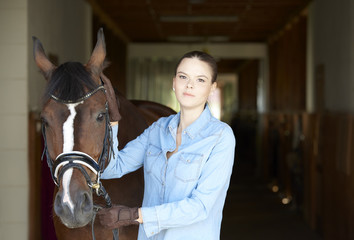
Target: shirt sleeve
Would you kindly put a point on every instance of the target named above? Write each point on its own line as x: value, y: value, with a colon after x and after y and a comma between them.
x: 127, y: 160
x: 212, y: 186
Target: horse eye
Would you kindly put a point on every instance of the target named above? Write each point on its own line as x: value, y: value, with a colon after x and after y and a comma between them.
x: 100, y: 117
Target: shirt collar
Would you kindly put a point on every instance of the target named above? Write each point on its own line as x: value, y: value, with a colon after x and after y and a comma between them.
x: 193, y: 129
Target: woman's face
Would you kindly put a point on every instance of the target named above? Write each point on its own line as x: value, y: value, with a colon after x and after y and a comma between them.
x: 192, y: 83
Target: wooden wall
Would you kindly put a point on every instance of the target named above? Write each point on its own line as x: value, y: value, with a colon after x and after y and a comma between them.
x: 315, y: 163
x: 287, y: 67
x: 337, y: 175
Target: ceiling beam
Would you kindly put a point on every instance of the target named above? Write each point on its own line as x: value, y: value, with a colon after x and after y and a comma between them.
x: 107, y: 20
x: 224, y: 50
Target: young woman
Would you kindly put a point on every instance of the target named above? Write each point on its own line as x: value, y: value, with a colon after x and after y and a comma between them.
x: 187, y: 160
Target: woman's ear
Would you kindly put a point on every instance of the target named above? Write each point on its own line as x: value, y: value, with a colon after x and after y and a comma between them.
x: 174, y: 84
x: 213, y: 87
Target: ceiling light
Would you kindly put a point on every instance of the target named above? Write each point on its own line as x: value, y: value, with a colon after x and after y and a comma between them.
x: 198, y: 19
x: 198, y: 38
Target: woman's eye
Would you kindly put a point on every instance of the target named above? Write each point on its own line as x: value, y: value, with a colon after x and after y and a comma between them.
x: 182, y: 77
x: 201, y: 80
x: 100, y: 117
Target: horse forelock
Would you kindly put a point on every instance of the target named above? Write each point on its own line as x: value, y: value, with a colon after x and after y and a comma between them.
x: 69, y: 82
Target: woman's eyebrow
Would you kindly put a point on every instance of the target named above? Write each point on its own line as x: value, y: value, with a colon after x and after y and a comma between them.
x: 203, y: 76
x: 197, y: 75
x: 182, y: 72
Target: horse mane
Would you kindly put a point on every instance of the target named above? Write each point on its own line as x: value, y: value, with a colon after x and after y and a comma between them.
x: 69, y: 82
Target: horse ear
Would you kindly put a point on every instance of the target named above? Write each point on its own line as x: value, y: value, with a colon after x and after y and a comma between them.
x: 95, y: 64
x: 41, y: 59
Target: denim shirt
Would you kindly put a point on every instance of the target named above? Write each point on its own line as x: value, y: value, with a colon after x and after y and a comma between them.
x: 184, y: 195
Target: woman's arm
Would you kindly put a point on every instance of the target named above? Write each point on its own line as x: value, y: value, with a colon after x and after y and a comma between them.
x: 129, y: 159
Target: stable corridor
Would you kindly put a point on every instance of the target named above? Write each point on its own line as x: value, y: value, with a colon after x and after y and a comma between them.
x: 253, y: 212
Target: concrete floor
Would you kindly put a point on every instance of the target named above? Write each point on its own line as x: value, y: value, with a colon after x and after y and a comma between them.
x: 253, y: 212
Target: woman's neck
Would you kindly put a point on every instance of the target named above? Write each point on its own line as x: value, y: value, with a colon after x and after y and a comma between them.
x: 188, y: 116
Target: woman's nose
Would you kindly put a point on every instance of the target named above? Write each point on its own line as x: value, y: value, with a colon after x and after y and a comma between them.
x: 190, y: 83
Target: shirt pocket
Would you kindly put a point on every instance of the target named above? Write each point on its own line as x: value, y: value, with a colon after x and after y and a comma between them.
x: 152, y: 155
x: 188, y: 167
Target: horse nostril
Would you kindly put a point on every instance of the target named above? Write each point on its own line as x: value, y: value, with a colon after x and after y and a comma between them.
x: 86, y: 202
x: 58, y: 207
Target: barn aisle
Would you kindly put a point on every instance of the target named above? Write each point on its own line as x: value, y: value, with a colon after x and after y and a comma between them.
x: 253, y: 212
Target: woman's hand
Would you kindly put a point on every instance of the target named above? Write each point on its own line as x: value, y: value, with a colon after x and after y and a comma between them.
x: 118, y: 216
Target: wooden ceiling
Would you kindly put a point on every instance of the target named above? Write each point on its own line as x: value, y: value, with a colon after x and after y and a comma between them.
x: 196, y: 20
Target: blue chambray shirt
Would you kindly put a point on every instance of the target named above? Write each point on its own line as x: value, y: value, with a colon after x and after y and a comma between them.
x: 184, y: 195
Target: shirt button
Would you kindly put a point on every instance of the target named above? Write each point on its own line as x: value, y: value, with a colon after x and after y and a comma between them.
x: 184, y: 132
x: 188, y: 161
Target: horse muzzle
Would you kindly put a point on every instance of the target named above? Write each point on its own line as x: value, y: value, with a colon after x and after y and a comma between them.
x: 73, y: 202
x: 74, y: 212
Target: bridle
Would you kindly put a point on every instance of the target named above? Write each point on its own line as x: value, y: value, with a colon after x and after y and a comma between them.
x: 77, y: 159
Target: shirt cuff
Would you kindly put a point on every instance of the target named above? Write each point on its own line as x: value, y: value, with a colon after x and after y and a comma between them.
x: 150, y: 221
x: 114, y: 131
x: 114, y: 123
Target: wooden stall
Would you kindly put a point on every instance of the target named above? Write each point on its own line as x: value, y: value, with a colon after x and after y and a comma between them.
x: 314, y: 163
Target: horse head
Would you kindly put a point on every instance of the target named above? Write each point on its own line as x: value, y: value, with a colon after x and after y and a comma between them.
x: 76, y: 131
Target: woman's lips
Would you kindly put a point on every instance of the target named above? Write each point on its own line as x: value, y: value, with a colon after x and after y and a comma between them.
x: 188, y: 94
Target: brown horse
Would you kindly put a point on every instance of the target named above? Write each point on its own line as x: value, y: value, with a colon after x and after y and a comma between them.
x: 76, y: 131
x: 152, y: 110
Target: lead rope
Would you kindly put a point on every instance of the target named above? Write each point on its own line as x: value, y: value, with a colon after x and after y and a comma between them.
x: 96, y: 208
x: 101, y: 191
x: 115, y: 232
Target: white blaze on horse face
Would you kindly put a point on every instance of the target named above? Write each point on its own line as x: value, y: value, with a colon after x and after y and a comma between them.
x: 66, y: 189
x: 68, y: 145
x: 68, y: 128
